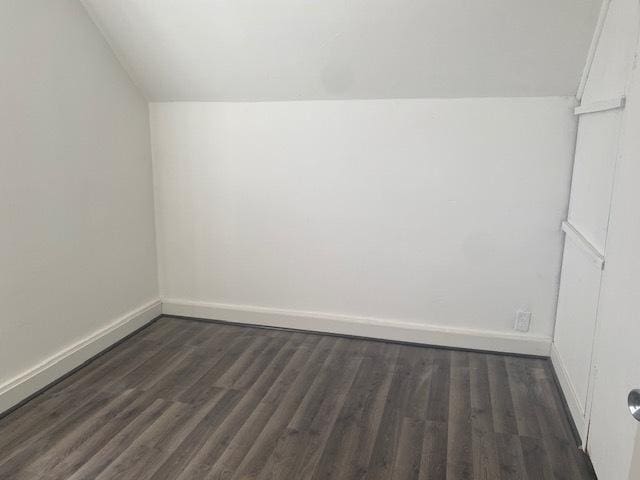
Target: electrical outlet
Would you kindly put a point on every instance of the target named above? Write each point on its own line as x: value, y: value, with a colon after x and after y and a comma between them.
x: 523, y: 321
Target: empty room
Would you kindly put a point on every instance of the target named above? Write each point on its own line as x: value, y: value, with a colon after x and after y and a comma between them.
x: 319, y: 239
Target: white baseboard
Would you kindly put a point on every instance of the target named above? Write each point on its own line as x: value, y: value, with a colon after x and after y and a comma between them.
x: 385, y: 329
x: 570, y: 395
x: 16, y: 390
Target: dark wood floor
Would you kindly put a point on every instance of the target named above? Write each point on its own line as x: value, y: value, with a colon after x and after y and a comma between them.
x: 185, y: 400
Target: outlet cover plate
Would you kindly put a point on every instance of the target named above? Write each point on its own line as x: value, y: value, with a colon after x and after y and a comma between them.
x: 523, y: 321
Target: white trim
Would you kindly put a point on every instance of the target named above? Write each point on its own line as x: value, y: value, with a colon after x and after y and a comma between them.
x: 17, y: 389
x: 585, y: 245
x: 602, y: 17
x: 386, y: 329
x: 600, y: 106
x: 569, y: 391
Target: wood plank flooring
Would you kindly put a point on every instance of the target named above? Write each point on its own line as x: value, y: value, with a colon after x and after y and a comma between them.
x: 192, y: 400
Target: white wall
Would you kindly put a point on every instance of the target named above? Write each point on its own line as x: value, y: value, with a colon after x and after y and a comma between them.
x: 248, y: 50
x: 77, y: 250
x: 440, y: 213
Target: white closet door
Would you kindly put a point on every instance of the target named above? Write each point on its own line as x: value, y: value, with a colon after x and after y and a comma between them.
x: 595, y: 159
x: 575, y: 327
x: 612, y: 432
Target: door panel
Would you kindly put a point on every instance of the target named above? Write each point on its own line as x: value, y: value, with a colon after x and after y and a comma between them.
x: 613, y: 431
x: 634, y: 473
x: 576, y: 320
x: 595, y: 158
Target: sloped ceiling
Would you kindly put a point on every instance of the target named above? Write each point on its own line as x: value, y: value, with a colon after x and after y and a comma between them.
x: 237, y: 50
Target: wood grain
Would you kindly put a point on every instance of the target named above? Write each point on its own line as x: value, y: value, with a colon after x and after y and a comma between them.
x: 193, y: 400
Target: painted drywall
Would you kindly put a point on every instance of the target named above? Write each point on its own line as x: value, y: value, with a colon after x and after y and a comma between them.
x: 243, y: 50
x: 597, y: 155
x: 77, y: 249
x: 435, y: 212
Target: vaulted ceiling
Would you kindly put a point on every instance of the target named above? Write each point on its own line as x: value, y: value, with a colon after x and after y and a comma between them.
x: 197, y: 50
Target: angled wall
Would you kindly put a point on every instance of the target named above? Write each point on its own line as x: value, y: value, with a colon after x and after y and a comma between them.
x: 284, y: 50
x: 77, y: 249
